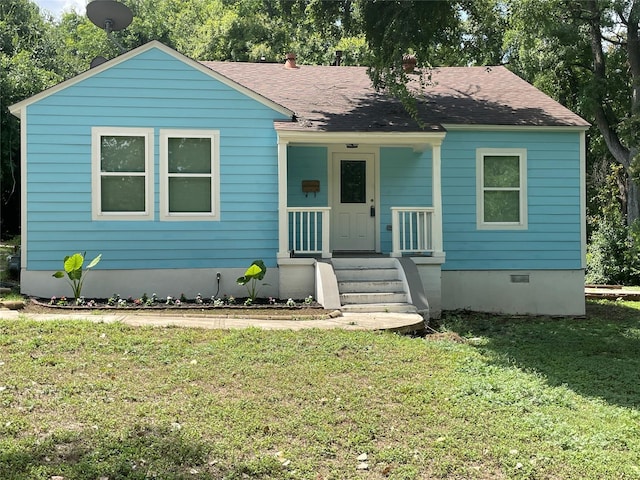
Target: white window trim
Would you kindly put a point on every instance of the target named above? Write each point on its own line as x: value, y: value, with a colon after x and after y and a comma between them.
x: 96, y: 185
x: 511, y: 152
x: 214, y: 135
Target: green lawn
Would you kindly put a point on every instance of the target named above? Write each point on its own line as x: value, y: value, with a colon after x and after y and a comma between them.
x: 519, y: 398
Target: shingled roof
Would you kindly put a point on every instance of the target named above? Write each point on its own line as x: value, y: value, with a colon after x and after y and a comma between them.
x: 339, y: 99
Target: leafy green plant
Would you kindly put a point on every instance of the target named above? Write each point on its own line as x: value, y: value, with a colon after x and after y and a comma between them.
x: 73, y: 268
x: 252, y: 276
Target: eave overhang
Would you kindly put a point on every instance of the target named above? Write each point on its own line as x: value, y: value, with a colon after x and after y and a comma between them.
x: 418, y: 141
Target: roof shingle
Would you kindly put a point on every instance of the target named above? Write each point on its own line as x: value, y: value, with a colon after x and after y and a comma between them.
x: 333, y: 99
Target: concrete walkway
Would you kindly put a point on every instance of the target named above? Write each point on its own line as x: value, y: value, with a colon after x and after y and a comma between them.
x: 395, y: 322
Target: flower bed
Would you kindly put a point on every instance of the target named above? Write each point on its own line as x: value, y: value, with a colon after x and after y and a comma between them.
x: 154, y: 302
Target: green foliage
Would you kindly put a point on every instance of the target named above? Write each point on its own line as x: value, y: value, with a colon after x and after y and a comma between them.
x: 73, y: 267
x: 613, y: 252
x: 251, y: 277
x: 28, y: 54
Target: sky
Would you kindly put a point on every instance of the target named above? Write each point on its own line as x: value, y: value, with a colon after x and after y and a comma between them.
x: 57, y: 7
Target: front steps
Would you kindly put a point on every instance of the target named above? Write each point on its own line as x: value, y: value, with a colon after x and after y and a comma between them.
x: 371, y: 285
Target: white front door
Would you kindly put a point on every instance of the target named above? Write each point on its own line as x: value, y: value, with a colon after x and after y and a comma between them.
x: 353, y: 215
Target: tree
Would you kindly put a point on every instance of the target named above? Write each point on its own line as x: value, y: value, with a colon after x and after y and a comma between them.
x: 587, y: 55
x: 28, y: 55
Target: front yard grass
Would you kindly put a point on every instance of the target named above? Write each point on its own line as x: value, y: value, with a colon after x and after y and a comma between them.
x: 518, y: 398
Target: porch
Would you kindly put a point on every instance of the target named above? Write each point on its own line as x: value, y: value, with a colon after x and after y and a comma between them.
x: 361, y: 197
x: 406, y: 280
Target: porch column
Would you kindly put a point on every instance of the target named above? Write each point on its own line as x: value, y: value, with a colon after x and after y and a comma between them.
x: 283, y: 216
x: 437, y: 200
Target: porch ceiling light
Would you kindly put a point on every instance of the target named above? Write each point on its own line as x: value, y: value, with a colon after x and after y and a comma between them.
x: 352, y: 145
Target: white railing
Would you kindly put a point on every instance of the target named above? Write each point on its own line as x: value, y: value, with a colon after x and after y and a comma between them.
x: 309, y: 230
x: 412, y: 230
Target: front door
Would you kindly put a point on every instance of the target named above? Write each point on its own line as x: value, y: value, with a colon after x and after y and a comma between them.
x: 353, y: 215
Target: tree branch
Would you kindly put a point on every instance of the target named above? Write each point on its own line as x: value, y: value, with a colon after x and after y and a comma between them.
x: 617, y: 149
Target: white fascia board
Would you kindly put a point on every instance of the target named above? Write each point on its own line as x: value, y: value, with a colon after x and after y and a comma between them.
x: 419, y: 141
x: 16, y: 108
x: 514, y: 128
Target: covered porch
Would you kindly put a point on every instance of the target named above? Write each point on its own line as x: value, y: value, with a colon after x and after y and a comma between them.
x: 413, y: 226
x: 359, y: 195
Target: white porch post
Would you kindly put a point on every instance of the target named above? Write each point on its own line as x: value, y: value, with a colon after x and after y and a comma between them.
x: 283, y: 216
x: 437, y: 200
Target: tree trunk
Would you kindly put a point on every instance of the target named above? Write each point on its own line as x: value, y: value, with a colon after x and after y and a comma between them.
x: 633, y: 205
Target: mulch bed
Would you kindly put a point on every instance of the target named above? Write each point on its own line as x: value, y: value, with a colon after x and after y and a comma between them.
x: 258, y: 309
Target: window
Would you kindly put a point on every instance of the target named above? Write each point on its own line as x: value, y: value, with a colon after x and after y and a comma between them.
x: 189, y: 175
x: 502, y: 188
x: 122, y: 178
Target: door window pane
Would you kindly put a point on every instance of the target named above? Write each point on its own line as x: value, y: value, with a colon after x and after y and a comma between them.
x: 353, y: 176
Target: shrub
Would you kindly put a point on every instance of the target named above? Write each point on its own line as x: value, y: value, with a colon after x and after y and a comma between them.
x: 613, y: 254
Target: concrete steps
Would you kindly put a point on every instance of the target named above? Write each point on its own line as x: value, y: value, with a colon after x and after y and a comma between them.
x: 371, y: 285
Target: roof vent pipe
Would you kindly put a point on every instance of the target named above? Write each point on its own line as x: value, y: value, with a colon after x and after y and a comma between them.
x: 291, y: 61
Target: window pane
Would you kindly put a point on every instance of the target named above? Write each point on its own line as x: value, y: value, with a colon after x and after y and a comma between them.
x: 501, y: 171
x: 189, y: 195
x: 502, y: 206
x: 189, y: 155
x: 123, y: 194
x: 122, y: 154
x: 353, y: 176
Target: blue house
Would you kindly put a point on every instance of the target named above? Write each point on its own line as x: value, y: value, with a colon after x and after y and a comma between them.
x: 181, y: 173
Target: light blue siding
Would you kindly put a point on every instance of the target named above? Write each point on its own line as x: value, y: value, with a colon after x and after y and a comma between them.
x: 553, y: 237
x: 152, y: 90
x: 405, y: 181
x: 307, y: 163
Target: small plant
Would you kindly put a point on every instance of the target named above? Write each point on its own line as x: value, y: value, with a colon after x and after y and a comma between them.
x: 183, y: 298
x: 152, y: 301
x: 248, y: 302
x: 199, y: 299
x: 252, y: 276
x: 217, y: 302
x: 308, y: 300
x: 291, y: 303
x: 73, y: 268
x: 113, y: 300
x: 169, y: 300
